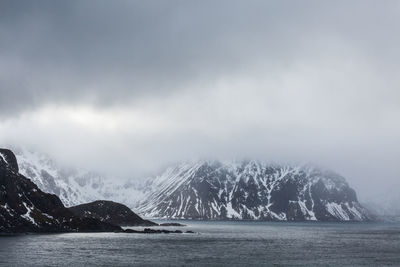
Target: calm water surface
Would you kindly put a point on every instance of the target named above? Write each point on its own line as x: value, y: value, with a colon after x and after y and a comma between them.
x: 215, y: 244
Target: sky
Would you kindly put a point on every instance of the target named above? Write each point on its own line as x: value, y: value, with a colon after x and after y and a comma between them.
x: 129, y: 87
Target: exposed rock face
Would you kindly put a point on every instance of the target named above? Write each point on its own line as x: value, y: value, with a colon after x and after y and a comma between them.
x: 251, y: 190
x: 25, y: 208
x: 8, y: 157
x: 111, y: 212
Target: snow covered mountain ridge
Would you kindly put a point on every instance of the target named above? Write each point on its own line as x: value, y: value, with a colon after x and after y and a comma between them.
x: 208, y: 190
x: 251, y: 190
x: 74, y: 187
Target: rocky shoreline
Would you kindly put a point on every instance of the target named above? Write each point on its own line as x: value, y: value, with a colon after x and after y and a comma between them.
x: 24, y: 208
x: 157, y: 231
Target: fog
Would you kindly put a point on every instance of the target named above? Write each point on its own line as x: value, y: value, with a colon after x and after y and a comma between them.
x: 129, y: 87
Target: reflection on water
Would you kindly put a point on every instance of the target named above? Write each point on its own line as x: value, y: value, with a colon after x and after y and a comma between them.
x: 215, y: 243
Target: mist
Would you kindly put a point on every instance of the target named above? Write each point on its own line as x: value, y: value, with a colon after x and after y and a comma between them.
x: 128, y: 88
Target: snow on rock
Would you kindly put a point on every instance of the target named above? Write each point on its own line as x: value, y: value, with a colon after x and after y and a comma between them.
x: 27, y: 216
x: 25, y: 208
x: 251, y: 190
x: 74, y: 187
x: 208, y: 190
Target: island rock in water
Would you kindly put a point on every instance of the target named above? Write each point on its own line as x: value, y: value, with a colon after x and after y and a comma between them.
x: 111, y: 212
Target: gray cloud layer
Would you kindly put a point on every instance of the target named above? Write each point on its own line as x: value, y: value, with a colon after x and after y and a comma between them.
x: 77, y: 50
x: 160, y: 81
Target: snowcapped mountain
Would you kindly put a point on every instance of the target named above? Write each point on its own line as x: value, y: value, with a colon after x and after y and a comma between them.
x: 75, y: 187
x: 251, y: 190
x: 207, y: 190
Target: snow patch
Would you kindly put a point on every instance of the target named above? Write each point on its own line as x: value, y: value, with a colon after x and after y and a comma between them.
x: 27, y: 216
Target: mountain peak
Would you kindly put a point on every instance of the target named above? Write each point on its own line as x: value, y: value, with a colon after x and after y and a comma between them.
x: 251, y: 189
x: 8, y: 158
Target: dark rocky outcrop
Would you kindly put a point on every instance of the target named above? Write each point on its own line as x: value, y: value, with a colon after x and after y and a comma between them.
x: 110, y: 212
x: 171, y: 224
x: 155, y: 231
x: 25, y: 208
x: 8, y: 157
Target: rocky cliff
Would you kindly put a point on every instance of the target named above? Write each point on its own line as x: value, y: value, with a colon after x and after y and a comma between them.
x: 25, y: 208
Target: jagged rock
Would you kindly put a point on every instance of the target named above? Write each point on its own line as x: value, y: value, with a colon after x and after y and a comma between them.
x: 25, y: 208
x: 8, y: 158
x: 111, y: 212
x: 251, y: 190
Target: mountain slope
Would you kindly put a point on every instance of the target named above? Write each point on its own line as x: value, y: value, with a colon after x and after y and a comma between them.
x: 74, y: 187
x: 208, y: 190
x: 25, y: 208
x: 251, y: 190
x: 110, y: 212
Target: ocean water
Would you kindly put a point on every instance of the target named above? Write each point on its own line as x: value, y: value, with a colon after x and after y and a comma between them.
x: 214, y: 244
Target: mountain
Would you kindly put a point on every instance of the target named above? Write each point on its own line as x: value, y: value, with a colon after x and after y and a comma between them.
x: 251, y: 190
x: 25, y: 208
x: 73, y: 186
x: 208, y: 190
x: 110, y: 212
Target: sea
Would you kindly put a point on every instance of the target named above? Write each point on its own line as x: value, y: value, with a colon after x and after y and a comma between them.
x: 214, y: 243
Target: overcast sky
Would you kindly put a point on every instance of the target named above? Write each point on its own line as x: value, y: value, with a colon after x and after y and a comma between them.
x: 128, y: 87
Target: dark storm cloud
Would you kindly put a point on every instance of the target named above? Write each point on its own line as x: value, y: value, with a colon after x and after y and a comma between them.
x: 111, y: 52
